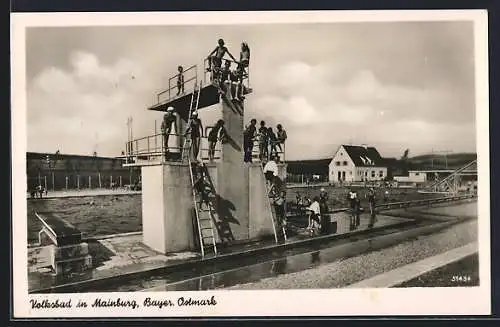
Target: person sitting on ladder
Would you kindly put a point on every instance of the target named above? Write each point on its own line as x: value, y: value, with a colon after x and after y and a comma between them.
x: 195, y: 128
x: 270, y: 171
x: 180, y: 81
x: 215, y: 58
x: 203, y: 187
x: 169, y: 120
x: 218, y: 133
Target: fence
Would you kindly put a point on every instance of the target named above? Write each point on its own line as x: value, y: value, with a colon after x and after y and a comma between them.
x: 88, y: 180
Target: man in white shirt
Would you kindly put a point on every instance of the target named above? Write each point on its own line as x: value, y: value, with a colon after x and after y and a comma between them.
x: 315, y: 214
x: 271, y: 169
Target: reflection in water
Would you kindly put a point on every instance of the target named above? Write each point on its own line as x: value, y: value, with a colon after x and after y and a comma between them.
x: 315, y: 257
x: 278, y: 267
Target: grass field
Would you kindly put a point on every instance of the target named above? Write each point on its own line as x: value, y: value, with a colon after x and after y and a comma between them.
x: 111, y: 214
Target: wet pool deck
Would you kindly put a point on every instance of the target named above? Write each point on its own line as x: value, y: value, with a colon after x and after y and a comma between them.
x: 124, y: 256
x: 121, y: 258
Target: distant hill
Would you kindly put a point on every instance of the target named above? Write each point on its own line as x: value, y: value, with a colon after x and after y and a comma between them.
x: 436, y: 161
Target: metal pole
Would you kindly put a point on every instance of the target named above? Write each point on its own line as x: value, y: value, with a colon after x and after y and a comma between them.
x: 156, y: 141
x: 90, y: 181
x: 99, y: 175
x: 53, y: 180
x: 39, y: 181
x: 78, y: 182
x: 120, y: 180
x: 111, y: 181
x: 45, y: 178
x: 66, y: 182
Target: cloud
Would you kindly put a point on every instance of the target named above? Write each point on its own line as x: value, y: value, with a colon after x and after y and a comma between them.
x: 87, y: 105
x: 326, y: 83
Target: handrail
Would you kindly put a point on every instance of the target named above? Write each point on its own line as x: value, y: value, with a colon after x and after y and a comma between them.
x: 452, y: 175
x: 171, y: 87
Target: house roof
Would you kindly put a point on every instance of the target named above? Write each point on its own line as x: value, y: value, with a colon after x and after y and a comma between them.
x: 364, y: 156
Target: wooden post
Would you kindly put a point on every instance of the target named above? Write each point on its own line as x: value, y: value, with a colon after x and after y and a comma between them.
x: 120, y: 180
x: 99, y: 176
x: 111, y: 181
x: 90, y: 181
x: 39, y: 181
x: 45, y: 178
x: 78, y: 182
x: 66, y: 180
x: 53, y: 181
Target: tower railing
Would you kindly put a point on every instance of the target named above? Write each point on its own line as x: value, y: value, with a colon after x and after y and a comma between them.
x: 152, y: 148
x: 209, y: 75
x: 190, y: 79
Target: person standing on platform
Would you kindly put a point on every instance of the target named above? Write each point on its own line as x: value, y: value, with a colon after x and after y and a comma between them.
x: 281, y: 137
x: 279, y: 206
x: 240, y: 70
x: 248, y: 139
x: 272, y: 141
x: 180, y: 80
x: 195, y: 128
x: 215, y: 58
x: 263, y: 151
x: 218, y: 133
x: 371, y: 203
x: 325, y: 221
x: 169, y: 120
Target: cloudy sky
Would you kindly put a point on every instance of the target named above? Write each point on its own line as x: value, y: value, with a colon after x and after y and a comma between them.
x: 390, y: 85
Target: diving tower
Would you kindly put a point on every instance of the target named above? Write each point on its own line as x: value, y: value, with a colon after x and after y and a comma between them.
x: 173, y: 219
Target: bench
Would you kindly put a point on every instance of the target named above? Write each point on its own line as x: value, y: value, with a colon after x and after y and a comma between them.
x: 68, y: 254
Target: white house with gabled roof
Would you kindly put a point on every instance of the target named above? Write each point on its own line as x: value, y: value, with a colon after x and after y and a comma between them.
x: 356, y: 164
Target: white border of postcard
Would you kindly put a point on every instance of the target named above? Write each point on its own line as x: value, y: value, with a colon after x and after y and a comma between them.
x: 415, y: 301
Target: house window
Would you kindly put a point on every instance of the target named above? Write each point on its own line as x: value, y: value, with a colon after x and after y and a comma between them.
x: 416, y: 174
x: 373, y: 173
x: 366, y: 173
x: 381, y: 173
x: 337, y: 163
x: 344, y: 163
x: 350, y: 173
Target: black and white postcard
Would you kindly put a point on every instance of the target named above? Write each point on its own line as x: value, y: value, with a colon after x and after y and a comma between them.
x: 211, y: 164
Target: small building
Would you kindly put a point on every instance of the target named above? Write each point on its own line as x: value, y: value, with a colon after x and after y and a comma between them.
x: 414, y: 177
x: 356, y: 164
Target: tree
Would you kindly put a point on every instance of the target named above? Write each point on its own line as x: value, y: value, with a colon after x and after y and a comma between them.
x: 405, y: 154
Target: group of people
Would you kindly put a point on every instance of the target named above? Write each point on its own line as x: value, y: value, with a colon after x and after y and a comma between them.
x: 195, y: 131
x: 38, y: 191
x: 220, y: 75
x: 268, y: 141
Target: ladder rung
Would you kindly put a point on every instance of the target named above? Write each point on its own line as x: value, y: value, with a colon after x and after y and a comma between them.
x: 207, y: 237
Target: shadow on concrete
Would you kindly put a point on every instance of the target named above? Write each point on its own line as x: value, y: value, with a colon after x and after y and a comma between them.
x: 225, y: 210
x: 232, y: 143
x: 99, y: 253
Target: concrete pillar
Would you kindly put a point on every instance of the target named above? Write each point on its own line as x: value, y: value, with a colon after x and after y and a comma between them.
x: 260, y: 212
x: 233, y: 173
x: 167, y: 208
